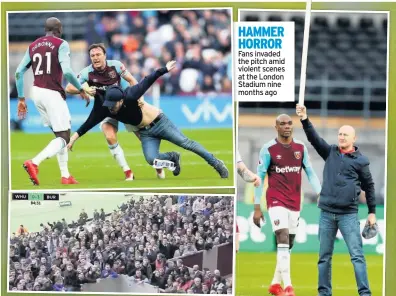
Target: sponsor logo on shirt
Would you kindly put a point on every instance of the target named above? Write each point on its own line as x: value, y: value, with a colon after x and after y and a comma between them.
x: 287, y: 169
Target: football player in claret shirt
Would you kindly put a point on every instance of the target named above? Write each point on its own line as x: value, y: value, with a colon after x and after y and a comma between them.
x: 49, y: 57
x: 100, y: 75
x: 283, y: 159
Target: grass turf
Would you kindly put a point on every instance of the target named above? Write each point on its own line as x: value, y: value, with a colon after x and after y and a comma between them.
x: 254, y: 273
x: 92, y: 165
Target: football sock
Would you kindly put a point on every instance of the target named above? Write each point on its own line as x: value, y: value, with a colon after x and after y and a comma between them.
x: 277, y: 275
x: 283, y: 261
x: 119, y: 156
x: 52, y: 149
x: 63, y: 158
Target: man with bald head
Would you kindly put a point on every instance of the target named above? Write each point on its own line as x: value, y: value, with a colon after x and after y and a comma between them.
x: 283, y: 159
x: 49, y: 57
x: 345, y: 174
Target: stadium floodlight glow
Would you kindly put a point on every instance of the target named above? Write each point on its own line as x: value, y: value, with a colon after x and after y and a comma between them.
x: 304, y: 57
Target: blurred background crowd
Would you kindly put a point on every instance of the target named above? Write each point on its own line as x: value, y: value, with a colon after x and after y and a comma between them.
x: 145, y: 239
x: 199, y: 40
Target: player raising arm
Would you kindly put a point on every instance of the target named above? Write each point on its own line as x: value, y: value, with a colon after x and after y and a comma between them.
x: 283, y: 159
x: 153, y: 125
x: 346, y: 173
x: 100, y: 75
x: 49, y: 57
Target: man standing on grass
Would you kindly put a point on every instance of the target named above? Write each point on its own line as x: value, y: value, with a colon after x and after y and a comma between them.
x: 283, y: 159
x: 346, y: 173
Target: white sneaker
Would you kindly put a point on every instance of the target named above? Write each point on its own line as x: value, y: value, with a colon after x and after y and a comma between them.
x: 160, y: 173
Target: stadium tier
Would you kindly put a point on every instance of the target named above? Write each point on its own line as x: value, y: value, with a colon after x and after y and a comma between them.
x: 347, y: 62
x: 149, y: 244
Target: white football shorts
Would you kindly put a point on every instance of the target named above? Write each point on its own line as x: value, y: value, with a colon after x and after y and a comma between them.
x: 53, y: 108
x: 114, y: 122
x: 282, y: 218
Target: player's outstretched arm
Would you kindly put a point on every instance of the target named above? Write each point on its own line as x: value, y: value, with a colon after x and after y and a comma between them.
x: 71, y: 89
x: 64, y: 60
x: 21, y: 69
x: 138, y: 90
x: 320, y: 145
x: 95, y: 117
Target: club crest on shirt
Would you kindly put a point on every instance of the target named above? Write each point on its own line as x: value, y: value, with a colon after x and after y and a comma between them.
x: 276, y: 222
x: 297, y: 154
x: 112, y: 74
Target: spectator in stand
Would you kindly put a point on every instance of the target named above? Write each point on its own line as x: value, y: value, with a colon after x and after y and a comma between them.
x: 200, y: 41
x: 139, y: 240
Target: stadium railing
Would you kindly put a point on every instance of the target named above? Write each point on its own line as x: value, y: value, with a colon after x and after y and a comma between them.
x: 365, y: 98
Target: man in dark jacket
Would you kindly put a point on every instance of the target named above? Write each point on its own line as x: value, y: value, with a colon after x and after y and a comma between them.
x: 345, y: 174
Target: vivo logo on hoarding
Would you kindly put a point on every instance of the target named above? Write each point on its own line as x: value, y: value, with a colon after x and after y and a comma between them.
x: 206, y: 111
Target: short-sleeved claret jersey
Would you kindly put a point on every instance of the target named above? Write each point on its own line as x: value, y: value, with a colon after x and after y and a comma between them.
x: 101, y: 80
x: 46, y: 55
x: 283, y: 164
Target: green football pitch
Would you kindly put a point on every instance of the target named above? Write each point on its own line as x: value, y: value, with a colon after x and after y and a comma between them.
x: 254, y: 272
x: 93, y: 166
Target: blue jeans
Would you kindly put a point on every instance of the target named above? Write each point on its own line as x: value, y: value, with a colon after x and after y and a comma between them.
x: 349, y: 226
x: 164, y: 129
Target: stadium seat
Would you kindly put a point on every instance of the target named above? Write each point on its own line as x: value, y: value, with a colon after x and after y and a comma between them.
x: 298, y: 21
x: 343, y: 23
x: 314, y: 90
x: 275, y: 18
x: 252, y: 18
x: 365, y: 23
x: 344, y: 46
x: 378, y: 92
x: 337, y: 91
x: 321, y: 22
x: 357, y: 91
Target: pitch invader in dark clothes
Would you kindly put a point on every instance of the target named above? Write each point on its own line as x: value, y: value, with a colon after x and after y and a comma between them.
x: 49, y: 57
x: 346, y: 173
x: 101, y: 74
x: 153, y: 125
x: 283, y: 159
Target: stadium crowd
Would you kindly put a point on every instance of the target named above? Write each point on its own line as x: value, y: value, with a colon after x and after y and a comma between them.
x: 143, y: 239
x: 199, y: 40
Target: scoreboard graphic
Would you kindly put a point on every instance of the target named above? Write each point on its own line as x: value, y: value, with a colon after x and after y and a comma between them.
x: 35, y: 197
